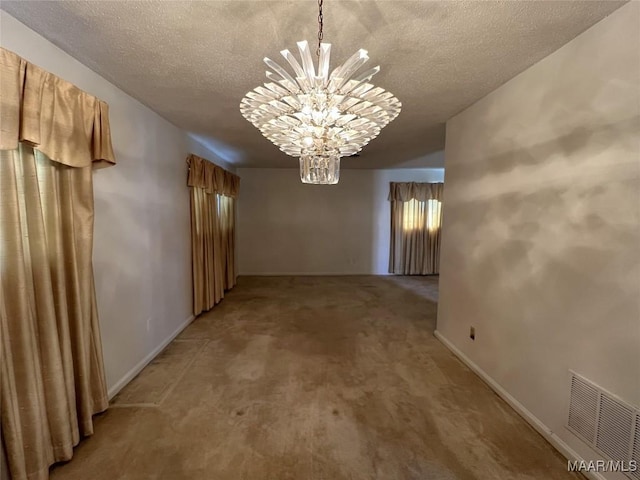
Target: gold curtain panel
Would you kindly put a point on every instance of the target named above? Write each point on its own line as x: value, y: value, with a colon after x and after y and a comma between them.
x: 416, y: 218
x: 405, y: 191
x: 51, y: 368
x: 211, y: 177
x: 213, y: 213
x: 54, y: 116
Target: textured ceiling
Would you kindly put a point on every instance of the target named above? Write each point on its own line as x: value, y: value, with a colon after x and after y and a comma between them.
x: 192, y: 62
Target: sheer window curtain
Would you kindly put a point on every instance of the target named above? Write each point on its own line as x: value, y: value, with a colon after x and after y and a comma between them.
x: 52, y: 374
x: 416, y: 218
x: 213, y: 192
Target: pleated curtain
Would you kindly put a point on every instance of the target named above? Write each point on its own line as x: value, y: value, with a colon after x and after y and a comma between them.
x: 227, y: 208
x: 213, y: 193
x: 52, y: 135
x: 416, y: 219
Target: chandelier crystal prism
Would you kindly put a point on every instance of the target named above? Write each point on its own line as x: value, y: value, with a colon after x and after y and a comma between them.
x: 317, y: 116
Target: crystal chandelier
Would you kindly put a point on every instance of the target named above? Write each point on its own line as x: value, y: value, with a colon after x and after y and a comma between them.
x: 318, y: 116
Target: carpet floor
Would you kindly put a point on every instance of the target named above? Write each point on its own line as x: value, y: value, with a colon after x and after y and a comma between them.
x: 313, y: 378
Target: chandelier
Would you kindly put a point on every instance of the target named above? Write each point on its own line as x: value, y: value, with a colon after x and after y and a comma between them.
x: 317, y: 116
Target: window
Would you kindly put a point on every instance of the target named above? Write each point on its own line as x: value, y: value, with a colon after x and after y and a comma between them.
x: 418, y: 215
x: 416, y: 218
x: 220, y: 200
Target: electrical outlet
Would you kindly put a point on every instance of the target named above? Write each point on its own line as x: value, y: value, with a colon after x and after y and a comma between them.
x: 472, y: 333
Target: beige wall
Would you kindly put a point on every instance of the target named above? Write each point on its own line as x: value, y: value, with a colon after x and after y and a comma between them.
x: 286, y: 227
x: 541, y: 239
x: 142, y: 249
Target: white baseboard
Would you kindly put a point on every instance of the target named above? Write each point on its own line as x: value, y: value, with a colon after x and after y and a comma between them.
x: 529, y: 417
x: 120, y: 384
x: 307, y: 274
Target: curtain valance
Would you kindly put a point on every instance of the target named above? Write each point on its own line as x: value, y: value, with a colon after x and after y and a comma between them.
x: 211, y: 177
x: 406, y: 191
x: 54, y: 116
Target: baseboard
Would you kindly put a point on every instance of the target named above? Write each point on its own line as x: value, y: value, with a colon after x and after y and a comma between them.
x: 308, y: 274
x: 529, y: 417
x: 120, y: 384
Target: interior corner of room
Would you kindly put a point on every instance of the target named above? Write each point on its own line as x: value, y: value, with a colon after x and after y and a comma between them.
x: 180, y: 300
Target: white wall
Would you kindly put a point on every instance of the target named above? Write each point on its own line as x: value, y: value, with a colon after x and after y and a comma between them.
x: 142, y: 259
x: 541, y: 235
x: 286, y: 227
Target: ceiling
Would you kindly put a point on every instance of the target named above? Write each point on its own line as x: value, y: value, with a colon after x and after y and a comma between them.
x: 192, y: 62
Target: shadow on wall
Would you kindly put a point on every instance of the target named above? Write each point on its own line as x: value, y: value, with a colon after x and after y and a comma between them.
x: 583, y: 142
x: 556, y: 221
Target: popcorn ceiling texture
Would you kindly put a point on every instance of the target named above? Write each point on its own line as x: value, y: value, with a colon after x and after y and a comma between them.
x: 192, y: 62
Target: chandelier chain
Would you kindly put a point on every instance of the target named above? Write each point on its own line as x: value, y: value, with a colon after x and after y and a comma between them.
x: 320, y: 25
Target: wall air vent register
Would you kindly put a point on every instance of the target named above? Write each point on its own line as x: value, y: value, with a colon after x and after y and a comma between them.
x: 606, y: 423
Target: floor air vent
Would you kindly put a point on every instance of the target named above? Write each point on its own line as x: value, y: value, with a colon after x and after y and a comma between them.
x: 605, y: 422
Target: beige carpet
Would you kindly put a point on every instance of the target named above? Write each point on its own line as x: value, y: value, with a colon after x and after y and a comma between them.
x: 313, y: 378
